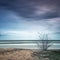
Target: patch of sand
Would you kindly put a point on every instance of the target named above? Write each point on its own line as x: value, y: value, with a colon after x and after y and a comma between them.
x: 17, y: 54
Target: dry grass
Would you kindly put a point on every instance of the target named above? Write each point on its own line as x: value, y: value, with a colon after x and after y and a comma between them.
x: 26, y: 54
x: 17, y: 54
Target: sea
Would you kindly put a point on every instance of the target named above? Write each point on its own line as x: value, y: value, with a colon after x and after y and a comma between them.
x: 30, y: 44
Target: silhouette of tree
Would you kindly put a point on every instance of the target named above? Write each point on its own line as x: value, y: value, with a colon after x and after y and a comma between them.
x: 45, y: 42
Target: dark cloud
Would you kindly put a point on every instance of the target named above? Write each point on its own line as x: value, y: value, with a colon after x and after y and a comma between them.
x: 33, y: 8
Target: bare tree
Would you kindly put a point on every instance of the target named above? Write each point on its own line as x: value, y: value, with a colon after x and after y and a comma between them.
x: 44, y: 41
x: 43, y: 44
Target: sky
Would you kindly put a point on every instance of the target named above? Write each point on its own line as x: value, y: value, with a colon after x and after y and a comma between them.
x: 29, y: 19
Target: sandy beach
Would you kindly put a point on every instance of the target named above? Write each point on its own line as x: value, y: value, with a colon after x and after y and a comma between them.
x: 26, y: 54
x: 17, y: 54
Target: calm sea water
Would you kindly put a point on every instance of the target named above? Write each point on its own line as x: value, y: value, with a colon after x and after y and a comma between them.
x: 28, y: 44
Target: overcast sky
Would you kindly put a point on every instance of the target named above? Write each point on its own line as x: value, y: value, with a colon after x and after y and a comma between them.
x: 25, y: 19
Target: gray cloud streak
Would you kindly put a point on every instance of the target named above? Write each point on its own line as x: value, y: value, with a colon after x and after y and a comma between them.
x: 27, y: 8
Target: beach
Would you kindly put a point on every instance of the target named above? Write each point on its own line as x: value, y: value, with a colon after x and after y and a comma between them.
x: 16, y: 54
x: 28, y: 54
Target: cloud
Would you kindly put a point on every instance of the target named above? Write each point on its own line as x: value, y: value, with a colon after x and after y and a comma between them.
x: 1, y: 34
x: 36, y: 9
x: 54, y: 24
x: 24, y: 35
x: 57, y: 33
x: 30, y: 15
